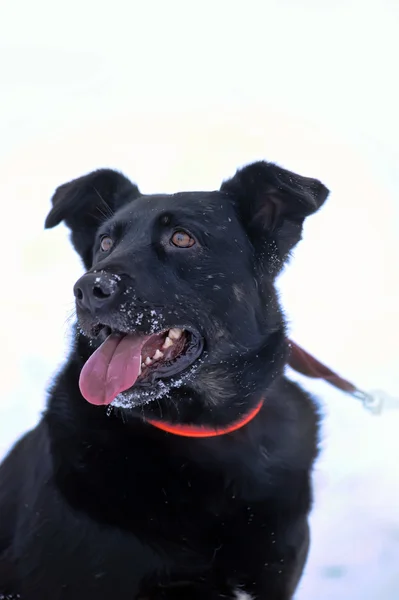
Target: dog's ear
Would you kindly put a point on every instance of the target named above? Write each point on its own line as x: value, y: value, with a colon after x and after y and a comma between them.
x: 272, y: 204
x: 86, y: 202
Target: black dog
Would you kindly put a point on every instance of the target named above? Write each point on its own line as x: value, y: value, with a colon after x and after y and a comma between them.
x: 174, y: 459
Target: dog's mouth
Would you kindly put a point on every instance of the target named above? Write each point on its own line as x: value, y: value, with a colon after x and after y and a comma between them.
x: 125, y: 360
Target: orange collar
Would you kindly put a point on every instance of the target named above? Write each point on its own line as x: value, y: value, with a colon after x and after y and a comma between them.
x: 194, y: 431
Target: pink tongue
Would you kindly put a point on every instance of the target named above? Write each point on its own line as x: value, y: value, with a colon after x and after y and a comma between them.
x: 113, y: 368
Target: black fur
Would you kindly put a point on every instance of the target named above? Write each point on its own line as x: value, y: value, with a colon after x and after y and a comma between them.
x: 96, y: 503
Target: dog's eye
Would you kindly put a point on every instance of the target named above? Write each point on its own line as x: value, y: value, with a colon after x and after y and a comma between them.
x: 182, y: 239
x: 106, y: 243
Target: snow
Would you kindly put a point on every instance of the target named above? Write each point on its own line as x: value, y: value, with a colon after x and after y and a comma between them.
x: 184, y: 115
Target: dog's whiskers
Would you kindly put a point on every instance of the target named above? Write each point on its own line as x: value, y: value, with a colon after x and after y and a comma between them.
x: 160, y: 408
x: 176, y: 405
x: 108, y: 210
x: 70, y: 317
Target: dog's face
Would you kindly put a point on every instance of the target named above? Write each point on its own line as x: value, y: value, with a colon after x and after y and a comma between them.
x: 178, y: 298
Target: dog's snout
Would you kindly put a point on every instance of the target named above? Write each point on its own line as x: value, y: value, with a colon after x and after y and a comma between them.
x: 94, y: 291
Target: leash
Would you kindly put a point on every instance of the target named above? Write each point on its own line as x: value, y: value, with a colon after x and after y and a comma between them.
x: 301, y: 361
x: 304, y: 363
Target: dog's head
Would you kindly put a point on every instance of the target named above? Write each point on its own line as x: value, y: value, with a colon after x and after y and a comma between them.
x: 178, y: 298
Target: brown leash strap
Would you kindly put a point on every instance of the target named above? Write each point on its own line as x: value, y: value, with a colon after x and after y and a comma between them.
x: 375, y: 402
x: 306, y: 364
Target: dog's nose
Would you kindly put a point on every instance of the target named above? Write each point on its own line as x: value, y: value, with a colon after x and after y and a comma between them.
x: 94, y: 291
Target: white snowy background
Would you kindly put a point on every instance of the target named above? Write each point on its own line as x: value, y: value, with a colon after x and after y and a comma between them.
x: 177, y: 95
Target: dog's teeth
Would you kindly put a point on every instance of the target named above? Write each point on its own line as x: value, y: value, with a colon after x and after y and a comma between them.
x: 158, y: 354
x: 148, y: 361
x: 168, y: 343
x: 175, y: 333
x: 140, y: 368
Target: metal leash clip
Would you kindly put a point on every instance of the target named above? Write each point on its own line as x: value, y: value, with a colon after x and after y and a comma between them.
x: 376, y: 401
